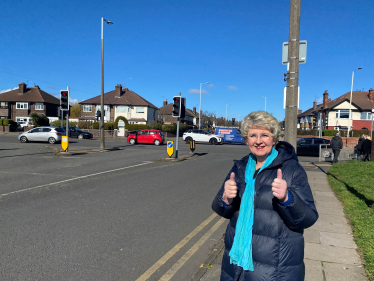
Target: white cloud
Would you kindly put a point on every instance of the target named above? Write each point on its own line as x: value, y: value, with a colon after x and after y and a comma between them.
x: 197, y: 92
x: 211, y: 86
x: 320, y: 100
x: 232, y: 88
x: 4, y: 91
x: 73, y: 101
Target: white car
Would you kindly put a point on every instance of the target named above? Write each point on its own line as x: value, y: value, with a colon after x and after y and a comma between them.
x: 201, y: 136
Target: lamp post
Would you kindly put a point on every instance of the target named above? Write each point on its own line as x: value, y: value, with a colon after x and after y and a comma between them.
x: 200, y: 103
x: 102, y: 143
x: 226, y: 112
x: 265, y: 101
x: 350, y: 101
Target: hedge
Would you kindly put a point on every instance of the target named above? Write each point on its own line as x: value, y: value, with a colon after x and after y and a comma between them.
x: 133, y: 127
x: 314, y: 132
x: 1, y: 122
x: 57, y: 123
x: 7, y: 122
x: 122, y: 118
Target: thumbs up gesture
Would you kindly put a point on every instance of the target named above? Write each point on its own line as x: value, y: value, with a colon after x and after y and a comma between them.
x: 279, y: 187
x: 230, y: 189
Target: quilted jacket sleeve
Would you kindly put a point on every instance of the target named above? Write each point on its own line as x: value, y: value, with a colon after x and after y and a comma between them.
x: 225, y: 211
x: 301, y: 213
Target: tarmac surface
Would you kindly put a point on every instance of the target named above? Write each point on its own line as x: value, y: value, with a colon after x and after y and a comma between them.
x: 330, y: 251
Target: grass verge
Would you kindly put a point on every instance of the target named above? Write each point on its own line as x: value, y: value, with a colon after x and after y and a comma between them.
x: 353, y: 183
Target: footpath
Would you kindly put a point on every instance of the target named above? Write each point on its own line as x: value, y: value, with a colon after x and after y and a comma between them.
x: 330, y: 252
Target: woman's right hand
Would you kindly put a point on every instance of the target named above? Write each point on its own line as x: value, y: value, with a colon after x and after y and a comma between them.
x: 230, y: 189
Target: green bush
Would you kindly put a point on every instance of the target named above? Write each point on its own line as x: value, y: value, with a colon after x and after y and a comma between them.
x: 329, y: 133
x: 169, y: 128
x: 7, y: 122
x: 1, y: 122
x: 57, y: 123
x: 184, y: 127
x: 157, y: 127
x: 96, y: 125
x: 85, y: 124
x: 122, y: 118
x: 110, y: 125
x: 39, y: 120
x: 312, y: 132
x: 133, y: 127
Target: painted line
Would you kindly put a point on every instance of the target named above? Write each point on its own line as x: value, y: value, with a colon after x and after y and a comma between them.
x: 81, y: 177
x: 190, y: 252
x: 176, y: 248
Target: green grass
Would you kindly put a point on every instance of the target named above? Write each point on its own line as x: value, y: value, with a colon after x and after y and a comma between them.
x: 353, y: 183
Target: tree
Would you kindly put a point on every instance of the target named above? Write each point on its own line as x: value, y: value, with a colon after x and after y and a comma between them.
x: 39, y: 120
x: 75, y: 110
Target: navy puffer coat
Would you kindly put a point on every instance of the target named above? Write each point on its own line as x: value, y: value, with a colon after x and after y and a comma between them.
x: 277, y: 236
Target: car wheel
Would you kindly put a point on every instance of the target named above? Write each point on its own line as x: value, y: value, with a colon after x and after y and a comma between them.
x: 157, y: 142
x: 52, y: 140
x: 213, y: 141
x: 23, y: 139
x: 80, y: 136
x: 132, y: 141
x: 188, y: 139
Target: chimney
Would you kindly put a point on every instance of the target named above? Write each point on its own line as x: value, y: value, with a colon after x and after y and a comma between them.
x: 300, y: 111
x: 325, y: 99
x: 22, y: 88
x: 371, y: 94
x: 118, y: 91
x: 315, y: 104
x: 165, y: 102
x: 194, y: 109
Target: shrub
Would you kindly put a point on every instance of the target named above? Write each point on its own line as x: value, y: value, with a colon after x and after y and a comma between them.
x: 110, y: 125
x: 132, y: 127
x: 1, y: 122
x: 39, y: 120
x: 57, y: 123
x: 329, y: 133
x: 185, y: 127
x: 122, y: 118
x: 157, y: 127
x: 7, y: 122
x: 96, y: 125
x: 85, y: 124
x: 169, y: 128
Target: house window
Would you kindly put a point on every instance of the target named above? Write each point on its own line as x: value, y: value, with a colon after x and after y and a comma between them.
x: 4, y: 104
x: 123, y: 109
x: 87, y: 108
x: 39, y: 106
x: 22, y: 105
x: 365, y: 116
x: 342, y: 114
x: 140, y: 109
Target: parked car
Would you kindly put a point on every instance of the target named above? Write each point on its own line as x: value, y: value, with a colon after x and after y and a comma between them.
x: 310, y: 146
x: 46, y: 133
x: 75, y: 132
x: 201, y: 136
x: 146, y: 136
x: 132, y: 132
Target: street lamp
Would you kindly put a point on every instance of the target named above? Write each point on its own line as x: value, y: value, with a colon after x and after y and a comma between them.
x: 200, y: 103
x: 226, y: 112
x: 102, y: 143
x: 350, y: 100
x: 265, y: 101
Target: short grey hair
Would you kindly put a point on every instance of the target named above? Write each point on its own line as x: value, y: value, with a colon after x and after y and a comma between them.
x: 261, y: 119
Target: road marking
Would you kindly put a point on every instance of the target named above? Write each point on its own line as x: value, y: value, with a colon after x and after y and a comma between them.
x: 190, y: 252
x: 81, y: 177
x: 176, y: 248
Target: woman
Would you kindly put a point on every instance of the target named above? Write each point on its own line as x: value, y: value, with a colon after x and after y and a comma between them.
x: 264, y: 241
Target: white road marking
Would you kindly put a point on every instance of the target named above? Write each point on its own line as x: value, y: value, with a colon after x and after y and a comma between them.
x: 81, y: 177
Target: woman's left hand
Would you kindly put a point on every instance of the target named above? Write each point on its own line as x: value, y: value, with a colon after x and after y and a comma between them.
x: 279, y: 187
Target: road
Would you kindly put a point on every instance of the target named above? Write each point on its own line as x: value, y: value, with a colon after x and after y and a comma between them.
x: 126, y: 214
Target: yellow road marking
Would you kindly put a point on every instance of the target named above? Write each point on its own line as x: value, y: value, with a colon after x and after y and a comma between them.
x: 190, y: 252
x: 176, y: 248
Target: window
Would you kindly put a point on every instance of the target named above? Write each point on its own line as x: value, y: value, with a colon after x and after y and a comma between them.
x: 140, y: 109
x: 4, y: 104
x: 342, y: 113
x: 22, y: 105
x: 39, y: 106
x: 143, y: 133
x: 123, y: 109
x: 46, y: 130
x: 317, y: 141
x: 87, y: 108
x: 365, y: 116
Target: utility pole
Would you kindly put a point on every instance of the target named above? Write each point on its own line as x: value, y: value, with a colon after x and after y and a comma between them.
x: 293, y: 74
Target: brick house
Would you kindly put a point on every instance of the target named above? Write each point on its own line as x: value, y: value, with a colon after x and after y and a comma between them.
x: 335, y: 113
x: 120, y: 102
x: 166, y: 116
x: 18, y: 104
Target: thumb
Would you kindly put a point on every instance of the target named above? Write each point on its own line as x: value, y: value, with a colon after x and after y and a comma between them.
x: 279, y: 174
x: 232, y: 176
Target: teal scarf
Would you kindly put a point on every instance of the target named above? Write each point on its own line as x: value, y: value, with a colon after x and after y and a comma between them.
x: 241, y: 250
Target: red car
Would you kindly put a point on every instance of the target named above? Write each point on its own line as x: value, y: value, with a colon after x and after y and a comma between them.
x: 146, y: 136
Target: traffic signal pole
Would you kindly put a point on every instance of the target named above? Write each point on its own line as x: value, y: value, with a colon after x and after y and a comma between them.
x: 177, y: 139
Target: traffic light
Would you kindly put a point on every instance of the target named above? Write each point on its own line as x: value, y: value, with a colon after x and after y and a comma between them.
x: 233, y: 121
x: 177, y: 106
x: 64, y: 100
x: 98, y: 114
x: 183, y: 108
x: 325, y: 120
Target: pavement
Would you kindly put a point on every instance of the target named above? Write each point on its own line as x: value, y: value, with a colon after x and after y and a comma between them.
x: 330, y: 251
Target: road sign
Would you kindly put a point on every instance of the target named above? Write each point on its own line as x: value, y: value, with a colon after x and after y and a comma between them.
x: 302, y: 52
x: 170, y: 148
x: 65, y: 142
x: 192, y: 145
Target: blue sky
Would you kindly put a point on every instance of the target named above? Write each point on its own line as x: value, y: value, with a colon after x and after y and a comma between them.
x: 167, y: 47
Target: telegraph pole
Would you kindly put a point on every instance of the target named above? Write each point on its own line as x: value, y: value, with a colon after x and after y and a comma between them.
x: 293, y: 74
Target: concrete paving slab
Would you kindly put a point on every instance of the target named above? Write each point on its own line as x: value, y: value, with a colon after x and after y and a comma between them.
x: 330, y: 211
x: 324, y: 193
x: 332, y: 218
x: 327, y: 199
x: 330, y: 204
x: 337, y: 239
x: 311, y: 236
x: 214, y: 271
x: 331, y: 227
x: 313, y: 270
x: 344, y: 272
x: 321, y: 252
x: 320, y: 187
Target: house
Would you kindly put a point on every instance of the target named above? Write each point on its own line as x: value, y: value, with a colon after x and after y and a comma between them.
x: 166, y: 115
x: 120, y: 102
x: 18, y: 104
x: 334, y: 114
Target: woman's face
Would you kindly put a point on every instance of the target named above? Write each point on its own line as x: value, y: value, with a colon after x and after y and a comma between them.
x: 260, y: 141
